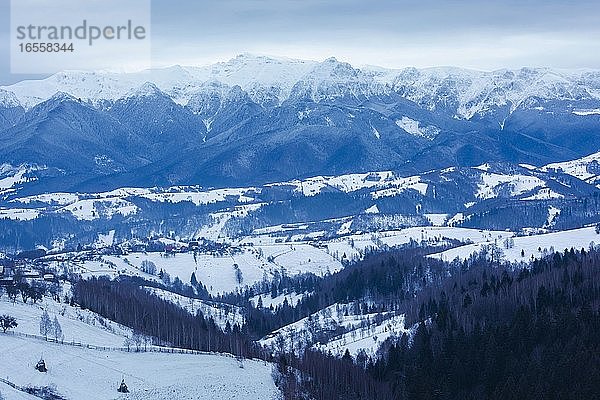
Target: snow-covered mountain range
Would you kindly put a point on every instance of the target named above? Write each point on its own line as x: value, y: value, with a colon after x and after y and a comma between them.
x: 271, y: 131
x: 257, y: 119
x: 268, y: 80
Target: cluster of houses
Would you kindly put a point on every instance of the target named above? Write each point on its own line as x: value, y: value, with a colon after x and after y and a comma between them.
x: 8, y: 273
x: 32, y: 264
x: 160, y: 245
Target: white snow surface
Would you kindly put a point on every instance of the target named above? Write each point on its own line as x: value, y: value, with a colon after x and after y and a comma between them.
x: 399, y: 185
x: 414, y: 128
x: 544, y: 194
x: 79, y: 373
x: 346, y: 183
x: 78, y: 325
x: 94, y: 373
x: 368, y: 338
x: 217, y: 272
x: 20, y: 214
x: 437, y: 234
x: 579, y: 168
x: 531, y: 245
x: 492, y: 184
x: 592, y: 111
x: 361, y: 331
x: 93, y: 209
x: 11, y: 177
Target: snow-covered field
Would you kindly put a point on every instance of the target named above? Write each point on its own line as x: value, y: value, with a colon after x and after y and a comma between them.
x: 81, y: 373
x: 216, y: 272
x: 435, y: 234
x: 353, y: 246
x: 298, y: 258
x: 531, y: 245
x: 579, y: 168
x: 99, y: 266
x: 80, y: 326
x: 78, y: 373
x: 516, y: 184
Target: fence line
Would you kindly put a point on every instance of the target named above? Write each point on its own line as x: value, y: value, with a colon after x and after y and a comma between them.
x: 131, y: 349
x: 9, y: 383
x: 19, y: 388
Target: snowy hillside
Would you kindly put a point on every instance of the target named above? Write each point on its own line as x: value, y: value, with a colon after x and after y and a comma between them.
x: 73, y: 371
x: 260, y: 257
x: 587, y: 168
x: 526, y: 248
x: 336, y: 329
x: 221, y: 313
x: 367, y: 338
x: 11, y: 177
x: 78, y: 325
x: 216, y: 272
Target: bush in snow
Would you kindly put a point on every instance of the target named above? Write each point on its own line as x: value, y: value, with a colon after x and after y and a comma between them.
x: 44, y: 392
x: 7, y: 322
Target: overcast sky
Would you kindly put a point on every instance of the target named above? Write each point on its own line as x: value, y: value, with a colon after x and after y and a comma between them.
x: 475, y: 34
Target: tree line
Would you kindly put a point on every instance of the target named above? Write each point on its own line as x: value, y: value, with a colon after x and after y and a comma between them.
x: 127, y: 303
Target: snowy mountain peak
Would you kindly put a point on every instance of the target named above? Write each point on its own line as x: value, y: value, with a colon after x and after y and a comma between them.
x: 8, y: 99
x: 332, y: 78
x: 147, y: 89
x: 62, y: 97
x: 333, y: 69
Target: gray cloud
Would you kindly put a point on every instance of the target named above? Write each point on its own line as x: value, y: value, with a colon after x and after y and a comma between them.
x: 483, y: 35
x: 477, y: 34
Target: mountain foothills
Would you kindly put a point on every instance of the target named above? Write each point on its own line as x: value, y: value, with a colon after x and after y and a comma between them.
x: 272, y: 228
